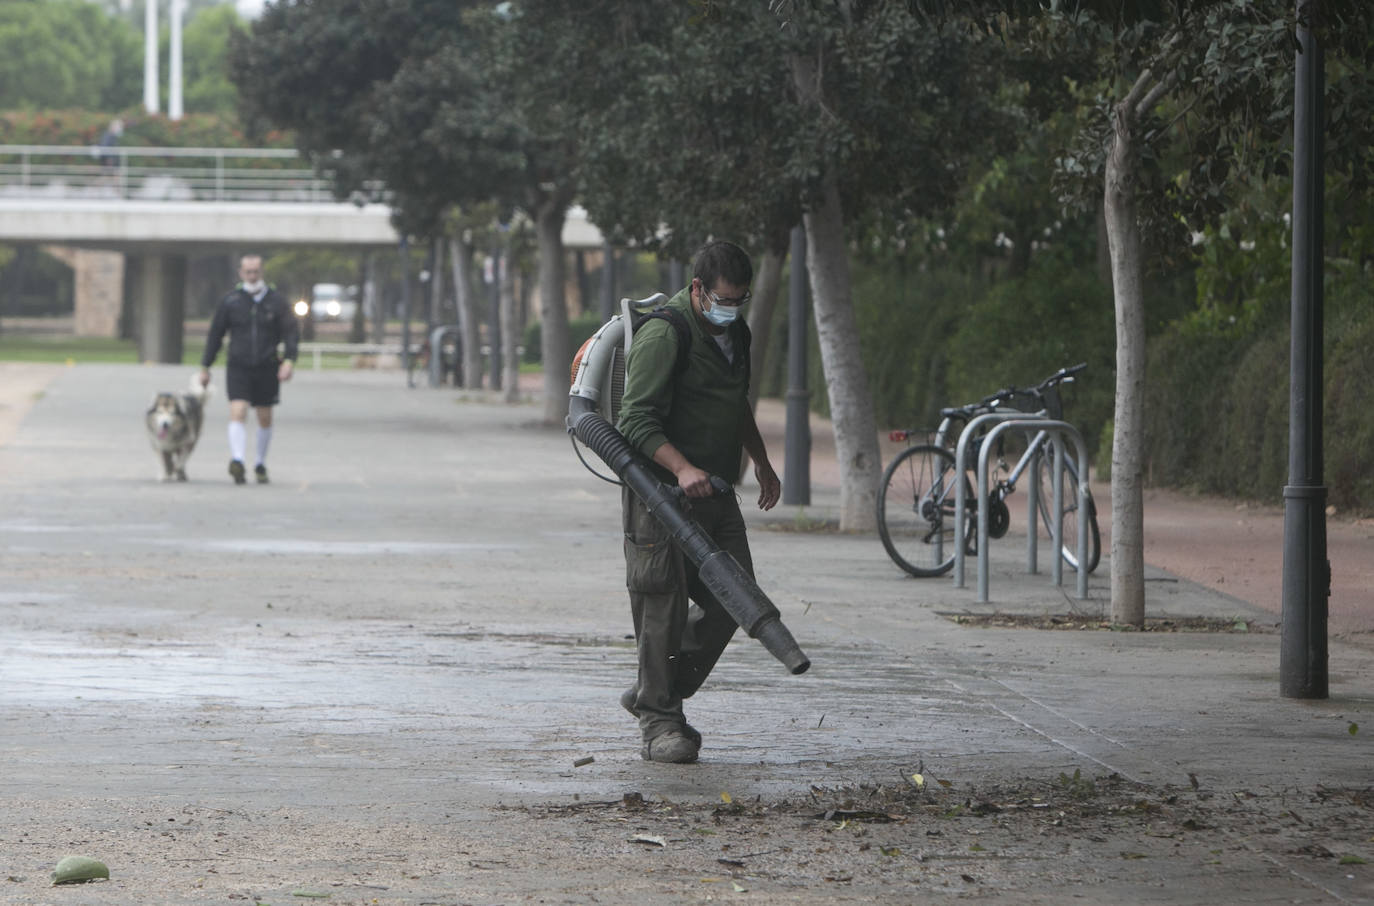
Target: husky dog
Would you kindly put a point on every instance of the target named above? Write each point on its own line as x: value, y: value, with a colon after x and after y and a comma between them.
x: 174, y: 422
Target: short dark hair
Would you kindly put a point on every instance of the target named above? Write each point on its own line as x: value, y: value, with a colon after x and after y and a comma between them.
x: 722, y: 260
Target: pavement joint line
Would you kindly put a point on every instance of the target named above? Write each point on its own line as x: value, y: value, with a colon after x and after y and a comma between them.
x: 1316, y: 885
x: 1063, y: 744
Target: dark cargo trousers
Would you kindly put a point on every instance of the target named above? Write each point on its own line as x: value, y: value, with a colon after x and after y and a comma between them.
x: 678, y: 642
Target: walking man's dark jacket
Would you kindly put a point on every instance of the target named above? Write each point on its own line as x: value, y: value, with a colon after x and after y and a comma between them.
x: 254, y: 328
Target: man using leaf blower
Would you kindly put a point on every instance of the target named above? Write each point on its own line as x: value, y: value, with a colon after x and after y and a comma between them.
x: 691, y: 417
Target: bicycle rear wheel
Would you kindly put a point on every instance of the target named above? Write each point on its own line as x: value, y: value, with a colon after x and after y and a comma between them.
x: 916, y: 511
x: 1046, y: 503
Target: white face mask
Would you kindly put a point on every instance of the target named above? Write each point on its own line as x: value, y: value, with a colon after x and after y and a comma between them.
x: 722, y: 315
x: 254, y: 288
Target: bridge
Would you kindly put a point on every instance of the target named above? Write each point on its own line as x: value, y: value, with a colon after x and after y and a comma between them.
x: 159, y: 205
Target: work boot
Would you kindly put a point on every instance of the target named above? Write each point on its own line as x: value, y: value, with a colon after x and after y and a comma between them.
x: 236, y: 470
x: 627, y: 701
x: 260, y: 470
x: 670, y: 748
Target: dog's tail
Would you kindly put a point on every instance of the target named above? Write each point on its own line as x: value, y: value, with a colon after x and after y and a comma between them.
x: 197, y: 389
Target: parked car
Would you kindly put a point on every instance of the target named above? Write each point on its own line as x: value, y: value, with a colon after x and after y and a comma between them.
x: 333, y: 302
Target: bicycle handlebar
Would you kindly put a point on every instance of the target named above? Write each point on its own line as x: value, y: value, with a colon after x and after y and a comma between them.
x: 1062, y: 376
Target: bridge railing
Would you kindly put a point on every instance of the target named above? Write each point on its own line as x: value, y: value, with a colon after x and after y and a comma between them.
x: 159, y: 174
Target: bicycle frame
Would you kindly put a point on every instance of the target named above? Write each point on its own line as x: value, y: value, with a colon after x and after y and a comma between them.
x: 1008, y: 484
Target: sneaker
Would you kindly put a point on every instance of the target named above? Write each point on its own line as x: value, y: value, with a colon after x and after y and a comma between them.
x: 236, y: 470
x: 627, y: 701
x: 670, y: 748
x: 260, y: 470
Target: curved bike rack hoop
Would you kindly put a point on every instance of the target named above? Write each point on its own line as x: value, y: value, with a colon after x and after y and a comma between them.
x: 1064, y: 433
x: 972, y: 430
x: 436, y: 357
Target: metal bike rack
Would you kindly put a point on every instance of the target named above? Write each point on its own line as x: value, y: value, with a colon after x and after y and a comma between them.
x: 971, y: 430
x: 436, y: 352
x: 1063, y: 433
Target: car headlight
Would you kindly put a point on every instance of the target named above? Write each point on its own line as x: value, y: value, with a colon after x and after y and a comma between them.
x: 334, y: 308
x: 302, y: 308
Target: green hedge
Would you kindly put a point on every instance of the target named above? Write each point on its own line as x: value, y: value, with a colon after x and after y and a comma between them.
x: 83, y: 127
x: 935, y: 338
x: 1217, y: 405
x: 1023, y: 330
x: 579, y: 329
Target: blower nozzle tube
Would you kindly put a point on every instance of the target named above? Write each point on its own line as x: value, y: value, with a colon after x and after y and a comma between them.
x: 720, y: 572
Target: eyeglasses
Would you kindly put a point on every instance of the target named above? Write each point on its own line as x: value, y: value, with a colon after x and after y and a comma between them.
x: 729, y: 303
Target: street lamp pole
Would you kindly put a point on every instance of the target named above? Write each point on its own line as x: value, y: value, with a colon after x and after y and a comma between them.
x: 1306, y: 569
x: 150, y: 83
x: 177, y: 12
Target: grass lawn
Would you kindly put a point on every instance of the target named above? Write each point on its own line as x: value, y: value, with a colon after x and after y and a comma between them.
x: 59, y: 349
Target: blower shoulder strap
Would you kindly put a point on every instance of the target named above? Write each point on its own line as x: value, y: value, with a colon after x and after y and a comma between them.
x: 684, y: 336
x: 681, y: 327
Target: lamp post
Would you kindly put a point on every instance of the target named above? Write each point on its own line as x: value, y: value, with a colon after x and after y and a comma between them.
x: 150, y: 83
x: 1306, y: 569
x: 796, y: 488
x: 177, y: 12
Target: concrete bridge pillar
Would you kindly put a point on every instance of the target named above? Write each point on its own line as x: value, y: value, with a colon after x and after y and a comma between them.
x: 99, y: 293
x: 155, y: 285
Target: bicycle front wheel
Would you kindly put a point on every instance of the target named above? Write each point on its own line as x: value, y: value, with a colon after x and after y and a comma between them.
x: 1046, y: 505
x: 916, y: 511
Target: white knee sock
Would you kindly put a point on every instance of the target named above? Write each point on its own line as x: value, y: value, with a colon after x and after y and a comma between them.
x: 238, y: 440
x: 264, y: 438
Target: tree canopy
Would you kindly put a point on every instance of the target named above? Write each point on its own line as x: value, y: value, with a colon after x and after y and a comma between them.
x: 396, y: 92
x: 58, y: 54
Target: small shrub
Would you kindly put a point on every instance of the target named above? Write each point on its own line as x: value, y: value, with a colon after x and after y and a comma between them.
x: 580, y: 329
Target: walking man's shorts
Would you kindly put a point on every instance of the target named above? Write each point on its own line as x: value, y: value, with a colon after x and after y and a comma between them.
x: 256, y: 383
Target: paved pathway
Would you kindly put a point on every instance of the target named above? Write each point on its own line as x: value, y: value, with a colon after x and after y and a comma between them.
x: 423, y: 616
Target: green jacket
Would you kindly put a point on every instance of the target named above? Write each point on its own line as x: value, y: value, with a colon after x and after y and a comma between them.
x: 699, y: 410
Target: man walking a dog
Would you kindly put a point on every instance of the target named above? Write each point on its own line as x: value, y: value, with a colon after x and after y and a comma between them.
x: 257, y: 319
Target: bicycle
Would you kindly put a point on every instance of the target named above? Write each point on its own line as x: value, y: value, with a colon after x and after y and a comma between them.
x: 916, y: 511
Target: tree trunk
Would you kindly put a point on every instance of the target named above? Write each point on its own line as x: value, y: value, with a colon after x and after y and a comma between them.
x: 510, y: 331
x: 460, y: 254
x: 766, y: 282
x: 436, y: 286
x: 1128, y: 440
x: 765, y: 291
x: 846, y: 380
x: 372, y: 299
x: 553, y: 311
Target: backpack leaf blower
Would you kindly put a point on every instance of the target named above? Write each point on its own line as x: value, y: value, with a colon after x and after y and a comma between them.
x: 598, y: 380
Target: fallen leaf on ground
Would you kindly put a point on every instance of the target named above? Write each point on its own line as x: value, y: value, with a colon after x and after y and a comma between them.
x: 649, y: 839
x: 79, y: 870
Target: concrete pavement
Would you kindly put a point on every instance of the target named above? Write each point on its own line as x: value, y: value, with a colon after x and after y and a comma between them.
x: 425, y: 611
